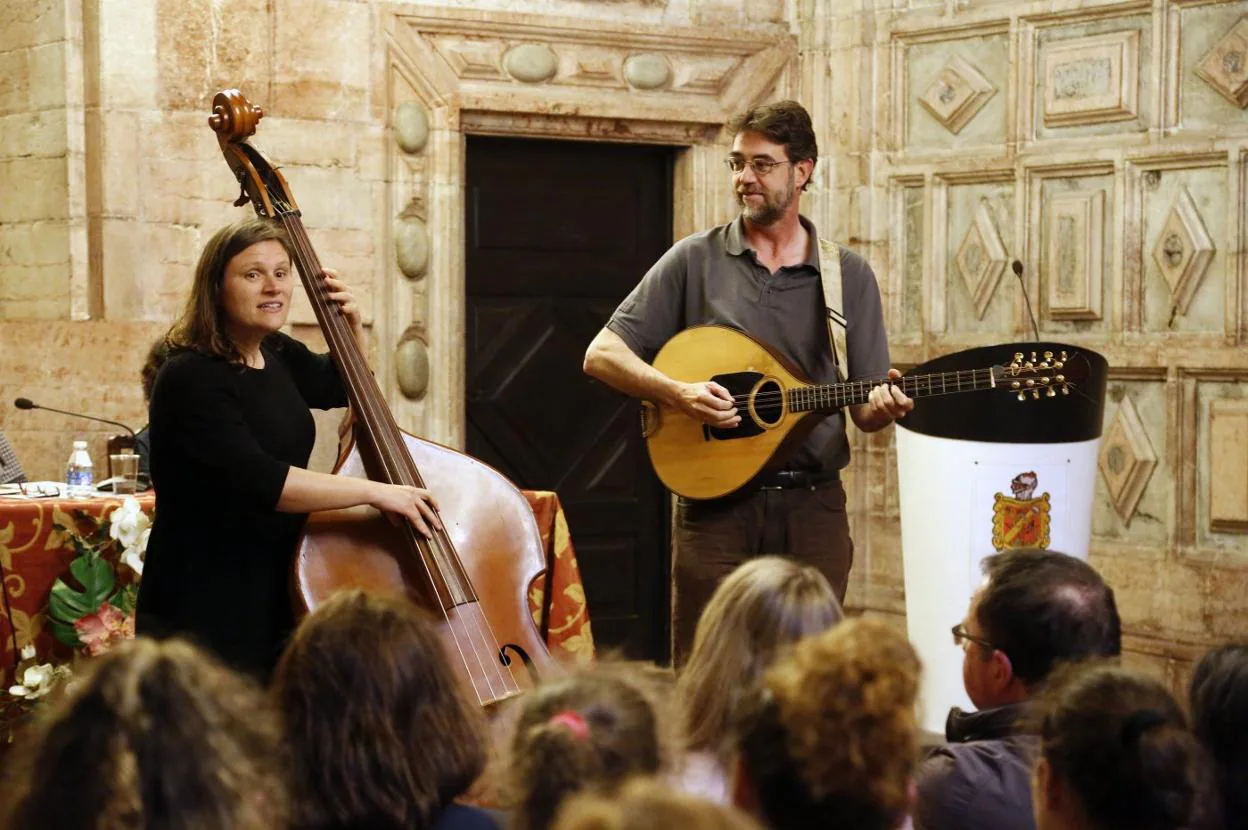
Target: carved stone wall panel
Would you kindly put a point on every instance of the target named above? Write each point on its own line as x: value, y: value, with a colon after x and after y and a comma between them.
x: 978, y: 248
x: 909, y: 258
x: 955, y: 93
x: 1093, y: 78
x: 1183, y: 249
x: 1135, y: 486
x: 1073, y: 259
x: 1225, y: 66
x: 1221, y: 437
x: 1202, y: 29
x: 1228, y: 465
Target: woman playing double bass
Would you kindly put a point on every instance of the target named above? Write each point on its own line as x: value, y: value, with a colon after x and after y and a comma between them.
x: 231, y: 435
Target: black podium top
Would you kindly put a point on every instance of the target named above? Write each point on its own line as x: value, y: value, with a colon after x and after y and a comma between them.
x: 998, y: 416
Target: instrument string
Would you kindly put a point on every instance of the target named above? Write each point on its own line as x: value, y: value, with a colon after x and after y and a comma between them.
x: 384, y: 434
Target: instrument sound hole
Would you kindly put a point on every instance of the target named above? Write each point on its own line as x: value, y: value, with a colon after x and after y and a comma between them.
x: 769, y: 403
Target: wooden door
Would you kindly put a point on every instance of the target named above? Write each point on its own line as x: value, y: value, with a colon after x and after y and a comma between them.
x: 558, y: 232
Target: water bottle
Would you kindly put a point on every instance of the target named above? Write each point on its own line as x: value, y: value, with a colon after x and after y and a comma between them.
x: 79, y: 473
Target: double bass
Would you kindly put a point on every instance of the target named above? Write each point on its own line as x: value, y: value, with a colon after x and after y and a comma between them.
x: 475, y: 572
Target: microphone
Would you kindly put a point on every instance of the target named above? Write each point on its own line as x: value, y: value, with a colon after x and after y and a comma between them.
x: 27, y: 403
x: 1018, y: 272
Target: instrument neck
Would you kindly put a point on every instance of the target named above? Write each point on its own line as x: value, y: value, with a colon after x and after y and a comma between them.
x: 380, y: 439
x: 838, y: 395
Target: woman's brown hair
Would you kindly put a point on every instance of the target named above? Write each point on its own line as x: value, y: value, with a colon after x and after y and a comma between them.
x: 155, y: 735
x: 380, y: 728
x: 1121, y: 743
x: 586, y: 732
x: 763, y: 606
x: 202, y: 326
x: 830, y: 738
x: 644, y: 803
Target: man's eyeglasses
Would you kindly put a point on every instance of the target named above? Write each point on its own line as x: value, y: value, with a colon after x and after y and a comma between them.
x: 961, y: 636
x: 761, y: 167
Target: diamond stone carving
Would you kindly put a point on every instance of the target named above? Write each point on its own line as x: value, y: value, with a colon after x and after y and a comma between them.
x: 1127, y: 460
x: 957, y: 94
x: 1183, y: 250
x: 981, y: 259
x: 1225, y: 66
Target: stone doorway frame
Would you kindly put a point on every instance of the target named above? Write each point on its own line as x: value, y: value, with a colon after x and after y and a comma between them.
x: 451, y: 73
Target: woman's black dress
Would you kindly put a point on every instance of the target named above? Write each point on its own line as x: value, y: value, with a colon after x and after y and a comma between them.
x: 218, y: 563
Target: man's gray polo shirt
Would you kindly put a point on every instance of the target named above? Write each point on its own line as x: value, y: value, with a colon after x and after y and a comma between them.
x: 715, y: 277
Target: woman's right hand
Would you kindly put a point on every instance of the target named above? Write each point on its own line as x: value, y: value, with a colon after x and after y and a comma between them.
x: 415, y: 504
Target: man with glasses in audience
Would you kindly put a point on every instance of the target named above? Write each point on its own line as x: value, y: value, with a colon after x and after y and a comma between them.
x: 761, y: 274
x: 1036, y: 610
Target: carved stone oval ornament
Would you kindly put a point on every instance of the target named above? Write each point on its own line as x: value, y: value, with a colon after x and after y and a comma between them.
x: 411, y: 363
x: 411, y: 247
x: 411, y: 127
x: 531, y: 63
x: 646, y: 71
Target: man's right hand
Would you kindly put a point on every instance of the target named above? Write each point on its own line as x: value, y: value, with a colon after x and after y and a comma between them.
x: 709, y: 403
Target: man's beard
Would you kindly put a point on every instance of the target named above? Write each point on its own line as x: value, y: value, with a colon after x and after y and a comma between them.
x: 773, y: 206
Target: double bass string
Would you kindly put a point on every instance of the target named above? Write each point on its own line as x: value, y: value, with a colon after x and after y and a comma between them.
x: 388, y: 445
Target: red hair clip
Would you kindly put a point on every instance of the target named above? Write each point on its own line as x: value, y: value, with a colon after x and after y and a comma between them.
x: 572, y: 721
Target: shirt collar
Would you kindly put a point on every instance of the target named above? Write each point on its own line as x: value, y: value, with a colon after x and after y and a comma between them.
x: 735, y: 244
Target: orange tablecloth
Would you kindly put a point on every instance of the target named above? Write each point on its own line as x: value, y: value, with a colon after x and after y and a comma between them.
x: 33, y: 555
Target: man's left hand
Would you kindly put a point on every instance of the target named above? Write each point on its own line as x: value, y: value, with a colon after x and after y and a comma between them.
x: 886, y: 404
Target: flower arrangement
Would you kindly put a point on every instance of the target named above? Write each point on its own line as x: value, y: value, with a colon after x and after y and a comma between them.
x: 98, y: 613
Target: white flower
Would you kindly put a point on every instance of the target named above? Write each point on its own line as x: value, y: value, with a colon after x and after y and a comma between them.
x: 37, y: 681
x: 28, y: 651
x: 128, y: 524
x: 133, y: 557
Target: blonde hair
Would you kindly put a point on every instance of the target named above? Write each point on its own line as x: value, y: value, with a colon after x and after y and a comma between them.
x: 645, y: 803
x: 831, y: 737
x: 156, y: 735
x: 762, y: 607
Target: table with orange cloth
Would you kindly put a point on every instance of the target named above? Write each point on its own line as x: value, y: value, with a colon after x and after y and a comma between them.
x: 34, y: 554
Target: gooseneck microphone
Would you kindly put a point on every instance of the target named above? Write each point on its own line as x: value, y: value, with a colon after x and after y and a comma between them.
x: 1018, y: 272
x: 27, y: 403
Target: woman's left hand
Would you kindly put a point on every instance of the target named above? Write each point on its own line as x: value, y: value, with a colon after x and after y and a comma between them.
x: 339, y: 293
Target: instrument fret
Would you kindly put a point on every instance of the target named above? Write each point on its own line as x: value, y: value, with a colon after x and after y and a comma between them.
x: 851, y: 393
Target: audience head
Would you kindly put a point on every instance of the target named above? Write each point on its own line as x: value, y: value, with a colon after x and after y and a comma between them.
x: 1036, y: 609
x: 204, y: 324
x: 586, y: 732
x: 763, y: 606
x: 380, y: 729
x: 1219, y: 701
x: 1116, y: 754
x: 154, y: 735
x: 643, y: 804
x: 830, y: 738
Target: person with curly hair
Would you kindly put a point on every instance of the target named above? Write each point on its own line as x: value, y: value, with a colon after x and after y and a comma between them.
x: 763, y: 606
x: 1116, y: 754
x: 154, y: 736
x: 1219, y: 706
x: 645, y: 803
x: 830, y: 738
x: 381, y: 730
x: 588, y: 732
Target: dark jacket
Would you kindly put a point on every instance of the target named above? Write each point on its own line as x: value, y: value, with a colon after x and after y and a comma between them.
x: 982, y: 777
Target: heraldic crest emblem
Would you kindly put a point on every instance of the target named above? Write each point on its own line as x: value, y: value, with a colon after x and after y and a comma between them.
x: 1021, y: 521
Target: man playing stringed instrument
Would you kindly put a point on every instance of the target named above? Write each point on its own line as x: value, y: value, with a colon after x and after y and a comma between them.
x: 762, y: 274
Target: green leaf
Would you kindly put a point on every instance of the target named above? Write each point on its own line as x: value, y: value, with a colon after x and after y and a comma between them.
x: 66, y: 604
x: 97, y: 579
x: 64, y: 633
x: 126, y: 599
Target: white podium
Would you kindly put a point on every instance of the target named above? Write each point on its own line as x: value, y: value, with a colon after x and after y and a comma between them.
x: 984, y: 472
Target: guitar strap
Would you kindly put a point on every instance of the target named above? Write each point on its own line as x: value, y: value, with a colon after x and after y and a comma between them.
x: 833, y: 301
